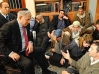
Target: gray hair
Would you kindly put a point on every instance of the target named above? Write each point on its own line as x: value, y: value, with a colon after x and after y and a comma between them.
x: 23, y: 13
x: 40, y: 16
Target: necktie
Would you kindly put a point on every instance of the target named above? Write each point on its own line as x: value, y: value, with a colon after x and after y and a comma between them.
x: 26, y: 39
x: 7, y: 17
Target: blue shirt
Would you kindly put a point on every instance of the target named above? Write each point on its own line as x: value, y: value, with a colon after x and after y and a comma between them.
x: 61, y: 24
x: 32, y: 22
x: 22, y: 36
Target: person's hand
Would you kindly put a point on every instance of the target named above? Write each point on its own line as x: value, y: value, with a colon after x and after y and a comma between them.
x: 65, y: 17
x: 65, y: 72
x: 29, y: 48
x: 53, y: 37
x: 62, y: 61
x: 14, y: 56
x: 37, y: 21
x: 49, y: 35
x: 52, y: 50
x: 66, y: 55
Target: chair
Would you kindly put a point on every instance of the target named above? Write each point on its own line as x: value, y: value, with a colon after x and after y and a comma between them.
x: 16, y: 69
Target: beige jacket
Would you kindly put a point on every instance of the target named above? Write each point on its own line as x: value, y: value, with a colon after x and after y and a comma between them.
x: 85, y: 20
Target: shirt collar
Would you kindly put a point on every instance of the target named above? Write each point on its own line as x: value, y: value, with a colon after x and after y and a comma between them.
x: 19, y: 24
x: 3, y: 14
x: 81, y: 16
x: 93, y: 62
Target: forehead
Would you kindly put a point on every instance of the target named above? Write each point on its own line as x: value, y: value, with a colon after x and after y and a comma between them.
x: 5, y: 4
x: 93, y: 46
x: 80, y: 9
x: 97, y: 25
x: 61, y: 11
x: 75, y: 26
x: 39, y: 17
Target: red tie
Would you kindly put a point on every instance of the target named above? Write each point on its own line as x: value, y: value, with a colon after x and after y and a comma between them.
x: 26, y: 39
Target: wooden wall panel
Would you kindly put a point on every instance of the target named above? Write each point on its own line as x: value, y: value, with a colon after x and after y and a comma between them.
x: 97, y: 11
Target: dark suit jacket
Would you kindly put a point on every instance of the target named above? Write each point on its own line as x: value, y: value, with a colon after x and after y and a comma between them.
x: 3, y: 20
x: 54, y: 22
x: 95, y: 35
x: 10, y: 38
x: 41, y: 41
x: 74, y: 50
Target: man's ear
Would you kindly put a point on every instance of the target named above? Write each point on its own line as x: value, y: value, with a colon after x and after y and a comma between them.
x: 20, y: 17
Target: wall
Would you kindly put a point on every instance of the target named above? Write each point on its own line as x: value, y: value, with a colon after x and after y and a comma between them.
x: 30, y: 4
x: 1, y: 0
x: 92, y: 9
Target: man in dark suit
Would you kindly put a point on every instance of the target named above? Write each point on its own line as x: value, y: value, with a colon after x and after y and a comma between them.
x: 5, y: 14
x: 17, y: 46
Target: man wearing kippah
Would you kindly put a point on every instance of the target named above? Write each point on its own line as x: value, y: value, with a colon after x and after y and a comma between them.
x: 17, y: 46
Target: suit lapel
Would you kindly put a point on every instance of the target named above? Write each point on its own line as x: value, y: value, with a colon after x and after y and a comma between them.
x: 2, y: 18
x: 16, y: 30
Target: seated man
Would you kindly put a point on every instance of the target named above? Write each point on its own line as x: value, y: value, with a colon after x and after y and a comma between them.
x: 72, y: 32
x: 88, y: 64
x: 84, y: 18
x: 60, y: 21
x: 41, y: 29
x: 17, y: 46
x: 96, y: 31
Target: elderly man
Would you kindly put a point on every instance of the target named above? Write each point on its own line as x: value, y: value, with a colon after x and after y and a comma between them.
x: 17, y: 46
x: 88, y: 64
x: 5, y: 15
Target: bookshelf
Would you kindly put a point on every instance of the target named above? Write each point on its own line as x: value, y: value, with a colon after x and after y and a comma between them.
x: 54, y: 7
x: 61, y: 6
x: 76, y: 3
x: 97, y: 11
x: 48, y: 5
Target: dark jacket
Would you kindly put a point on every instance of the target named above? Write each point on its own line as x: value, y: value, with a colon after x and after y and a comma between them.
x: 42, y: 39
x: 95, y: 35
x: 75, y: 51
x: 3, y: 20
x: 10, y: 38
x: 54, y: 23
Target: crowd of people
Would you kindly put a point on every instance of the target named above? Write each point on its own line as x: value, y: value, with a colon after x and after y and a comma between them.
x: 24, y: 39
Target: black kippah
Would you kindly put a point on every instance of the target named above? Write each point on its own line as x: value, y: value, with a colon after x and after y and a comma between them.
x: 23, y: 9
